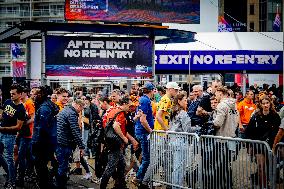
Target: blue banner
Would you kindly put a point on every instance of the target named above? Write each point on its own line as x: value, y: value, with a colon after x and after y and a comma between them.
x: 169, y: 62
x: 98, y: 57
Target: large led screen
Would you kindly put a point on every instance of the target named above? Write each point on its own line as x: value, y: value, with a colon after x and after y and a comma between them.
x: 134, y: 11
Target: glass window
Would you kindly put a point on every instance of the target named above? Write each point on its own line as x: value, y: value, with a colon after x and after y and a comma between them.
x: 251, y: 9
x: 251, y: 25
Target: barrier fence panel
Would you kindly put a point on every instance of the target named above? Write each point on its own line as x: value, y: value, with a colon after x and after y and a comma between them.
x: 183, y: 160
x: 235, y: 163
x: 279, y: 166
x: 174, y: 159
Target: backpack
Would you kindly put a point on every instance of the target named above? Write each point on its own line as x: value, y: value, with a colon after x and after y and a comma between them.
x: 112, y: 140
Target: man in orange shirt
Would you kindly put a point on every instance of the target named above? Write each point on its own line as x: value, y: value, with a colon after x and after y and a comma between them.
x: 62, y: 98
x: 25, y: 136
x: 246, y: 108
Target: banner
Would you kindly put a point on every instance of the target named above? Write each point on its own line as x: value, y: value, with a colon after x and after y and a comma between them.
x: 18, y: 61
x: 167, y: 62
x: 164, y: 11
x: 98, y: 57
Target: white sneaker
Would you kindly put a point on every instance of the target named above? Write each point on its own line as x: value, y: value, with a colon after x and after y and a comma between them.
x: 87, y: 176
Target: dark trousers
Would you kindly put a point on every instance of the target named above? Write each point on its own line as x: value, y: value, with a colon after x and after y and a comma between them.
x: 41, y: 157
x: 115, y: 165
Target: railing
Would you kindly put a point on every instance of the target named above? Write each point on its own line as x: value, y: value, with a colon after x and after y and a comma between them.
x: 35, y: 13
x: 183, y: 160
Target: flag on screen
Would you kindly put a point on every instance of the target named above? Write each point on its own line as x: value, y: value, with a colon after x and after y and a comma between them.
x: 277, y: 23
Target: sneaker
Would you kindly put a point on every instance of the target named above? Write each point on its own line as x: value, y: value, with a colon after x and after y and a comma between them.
x: 96, y: 180
x: 87, y: 176
x: 156, y: 184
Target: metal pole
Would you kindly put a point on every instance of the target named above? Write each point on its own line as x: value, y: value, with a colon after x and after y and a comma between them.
x: 244, y: 81
x: 31, y: 10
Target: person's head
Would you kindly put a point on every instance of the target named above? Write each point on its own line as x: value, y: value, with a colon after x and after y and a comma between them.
x: 33, y: 91
x: 62, y: 96
x: 213, y: 102
x: 161, y: 90
x: 25, y: 93
x: 250, y: 95
x: 180, y: 103
x: 270, y: 94
x: 180, y: 100
x: 221, y: 92
x: 231, y: 93
x: 197, y: 90
x: 148, y: 89
x: 192, y: 96
x: 215, y: 85
x: 124, y: 103
x: 265, y: 104
x: 99, y: 94
x: 172, y: 88
x: 115, y: 96
x: 238, y: 95
x: 41, y: 94
x: 78, y: 104
x: 105, y: 103
x: 83, y: 98
x: 16, y: 91
x: 53, y: 98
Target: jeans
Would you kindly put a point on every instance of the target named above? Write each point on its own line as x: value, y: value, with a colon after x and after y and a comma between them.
x: 85, y: 139
x: 116, y: 164
x: 9, y: 141
x: 62, y: 153
x: 25, y: 161
x: 144, y: 142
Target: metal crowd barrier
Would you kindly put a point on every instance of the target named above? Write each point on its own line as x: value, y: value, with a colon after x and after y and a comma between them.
x: 235, y: 163
x: 174, y: 159
x: 183, y: 160
x: 279, y: 166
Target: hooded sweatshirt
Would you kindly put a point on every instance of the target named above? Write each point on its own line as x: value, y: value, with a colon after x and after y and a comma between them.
x: 246, y: 108
x: 226, y: 120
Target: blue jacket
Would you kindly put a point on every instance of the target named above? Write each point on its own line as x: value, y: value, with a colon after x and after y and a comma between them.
x: 45, y: 125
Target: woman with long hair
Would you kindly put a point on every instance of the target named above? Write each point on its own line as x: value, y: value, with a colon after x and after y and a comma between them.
x: 180, y: 122
x: 263, y: 125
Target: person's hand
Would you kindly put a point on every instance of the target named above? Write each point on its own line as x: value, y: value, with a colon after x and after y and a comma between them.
x: 81, y: 152
x: 125, y: 140
x: 241, y: 128
x: 135, y: 145
x: 150, y: 131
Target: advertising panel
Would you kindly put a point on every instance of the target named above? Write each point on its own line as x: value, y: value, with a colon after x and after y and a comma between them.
x: 149, y: 11
x: 218, y: 61
x: 98, y: 57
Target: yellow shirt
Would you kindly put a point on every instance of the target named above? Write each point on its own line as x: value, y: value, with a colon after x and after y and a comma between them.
x: 165, y: 105
x: 60, y: 105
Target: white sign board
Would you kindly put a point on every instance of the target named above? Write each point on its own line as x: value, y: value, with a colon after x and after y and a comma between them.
x: 260, y: 79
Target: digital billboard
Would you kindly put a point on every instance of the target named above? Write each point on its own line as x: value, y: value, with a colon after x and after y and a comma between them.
x: 98, y: 57
x: 134, y: 11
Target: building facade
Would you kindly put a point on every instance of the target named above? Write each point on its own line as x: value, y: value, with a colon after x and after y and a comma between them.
x: 15, y: 11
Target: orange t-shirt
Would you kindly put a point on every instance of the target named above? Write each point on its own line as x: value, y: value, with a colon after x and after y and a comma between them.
x: 120, y: 118
x: 246, y: 108
x: 30, y: 109
x: 60, y: 105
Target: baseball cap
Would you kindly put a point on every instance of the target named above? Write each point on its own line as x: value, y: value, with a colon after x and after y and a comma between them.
x: 149, y: 86
x: 172, y: 85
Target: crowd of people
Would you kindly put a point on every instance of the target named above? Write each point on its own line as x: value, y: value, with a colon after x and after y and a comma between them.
x: 40, y: 132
